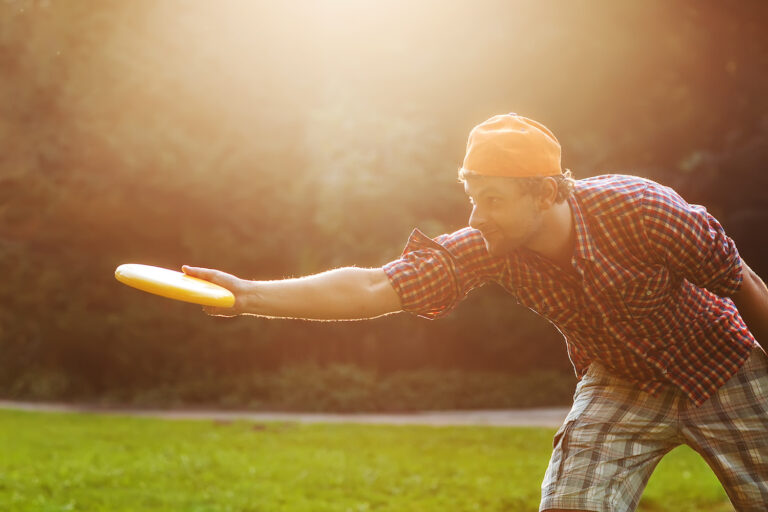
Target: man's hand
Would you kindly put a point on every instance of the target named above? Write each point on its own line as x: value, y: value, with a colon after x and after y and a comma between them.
x: 232, y: 283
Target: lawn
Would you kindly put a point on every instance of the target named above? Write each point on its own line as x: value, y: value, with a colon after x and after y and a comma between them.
x: 82, y: 462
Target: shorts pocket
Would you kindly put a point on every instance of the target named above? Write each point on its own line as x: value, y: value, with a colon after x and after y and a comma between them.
x: 554, y: 474
x: 560, y: 446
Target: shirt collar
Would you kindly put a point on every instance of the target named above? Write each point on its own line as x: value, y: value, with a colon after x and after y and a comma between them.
x: 585, y: 248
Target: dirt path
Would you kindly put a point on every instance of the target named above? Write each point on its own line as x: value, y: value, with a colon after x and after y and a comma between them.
x: 543, y: 417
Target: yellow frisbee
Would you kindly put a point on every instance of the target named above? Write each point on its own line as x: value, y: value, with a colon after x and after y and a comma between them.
x: 174, y: 285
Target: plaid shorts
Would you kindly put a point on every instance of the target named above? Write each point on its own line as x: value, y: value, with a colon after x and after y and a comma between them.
x: 615, y: 435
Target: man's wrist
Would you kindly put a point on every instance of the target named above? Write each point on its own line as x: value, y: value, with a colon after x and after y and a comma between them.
x: 247, y: 301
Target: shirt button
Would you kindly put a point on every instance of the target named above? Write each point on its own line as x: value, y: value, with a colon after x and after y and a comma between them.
x: 647, y: 292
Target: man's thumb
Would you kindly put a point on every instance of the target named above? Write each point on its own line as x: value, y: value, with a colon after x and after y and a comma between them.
x: 206, y: 274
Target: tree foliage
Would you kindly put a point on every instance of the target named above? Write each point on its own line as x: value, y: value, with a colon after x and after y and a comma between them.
x: 274, y: 141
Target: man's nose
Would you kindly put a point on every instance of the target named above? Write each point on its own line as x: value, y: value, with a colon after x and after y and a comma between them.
x: 476, y: 218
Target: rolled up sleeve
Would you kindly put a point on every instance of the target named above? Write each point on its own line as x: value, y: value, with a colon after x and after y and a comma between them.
x: 433, y: 276
x: 690, y: 241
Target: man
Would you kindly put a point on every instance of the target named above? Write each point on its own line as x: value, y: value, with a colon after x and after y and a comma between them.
x: 649, y: 292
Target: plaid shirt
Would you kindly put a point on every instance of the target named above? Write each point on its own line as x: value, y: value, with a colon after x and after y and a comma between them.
x: 647, y: 296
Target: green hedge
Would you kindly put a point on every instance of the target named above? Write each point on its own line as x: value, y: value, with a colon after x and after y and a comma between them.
x: 310, y: 387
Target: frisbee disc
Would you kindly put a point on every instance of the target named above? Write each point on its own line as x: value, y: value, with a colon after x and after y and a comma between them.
x: 174, y: 285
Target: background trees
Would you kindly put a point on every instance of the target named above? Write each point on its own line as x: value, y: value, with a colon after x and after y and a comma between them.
x: 277, y: 140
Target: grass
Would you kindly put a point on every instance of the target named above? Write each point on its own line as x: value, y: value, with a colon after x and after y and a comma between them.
x: 80, y: 462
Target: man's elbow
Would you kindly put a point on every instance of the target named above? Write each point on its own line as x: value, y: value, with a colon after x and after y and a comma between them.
x: 382, y: 297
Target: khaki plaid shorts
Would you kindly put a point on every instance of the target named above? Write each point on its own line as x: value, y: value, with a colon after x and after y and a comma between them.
x: 615, y: 435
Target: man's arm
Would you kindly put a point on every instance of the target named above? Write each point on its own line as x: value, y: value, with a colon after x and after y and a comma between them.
x: 348, y: 293
x: 752, y: 302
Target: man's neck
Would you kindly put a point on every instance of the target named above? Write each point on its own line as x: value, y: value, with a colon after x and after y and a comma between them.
x: 557, y: 238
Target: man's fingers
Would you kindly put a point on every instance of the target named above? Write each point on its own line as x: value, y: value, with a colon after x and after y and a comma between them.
x: 220, y: 278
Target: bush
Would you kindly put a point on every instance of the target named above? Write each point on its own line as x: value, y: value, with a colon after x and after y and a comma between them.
x: 331, y: 388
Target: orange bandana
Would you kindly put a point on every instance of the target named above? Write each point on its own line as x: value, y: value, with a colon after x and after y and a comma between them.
x: 513, y: 146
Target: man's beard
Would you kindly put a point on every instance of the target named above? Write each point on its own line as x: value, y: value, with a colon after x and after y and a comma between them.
x: 501, y: 244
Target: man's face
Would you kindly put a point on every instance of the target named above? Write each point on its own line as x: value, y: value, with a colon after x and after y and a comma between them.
x: 507, y: 218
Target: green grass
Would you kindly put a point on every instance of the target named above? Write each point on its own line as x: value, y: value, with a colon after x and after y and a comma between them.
x: 63, y: 462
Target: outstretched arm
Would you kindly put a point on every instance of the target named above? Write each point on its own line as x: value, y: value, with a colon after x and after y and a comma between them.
x: 349, y: 293
x: 752, y: 303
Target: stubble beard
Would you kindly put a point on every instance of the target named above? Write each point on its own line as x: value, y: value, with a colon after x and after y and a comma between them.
x: 504, y: 244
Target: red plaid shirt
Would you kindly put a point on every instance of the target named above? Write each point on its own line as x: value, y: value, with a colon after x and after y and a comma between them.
x: 648, y: 298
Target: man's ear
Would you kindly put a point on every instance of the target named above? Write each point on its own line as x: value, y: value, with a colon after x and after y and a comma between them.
x: 547, y: 193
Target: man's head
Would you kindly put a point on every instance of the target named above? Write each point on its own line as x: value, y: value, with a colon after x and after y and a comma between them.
x: 513, y: 177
